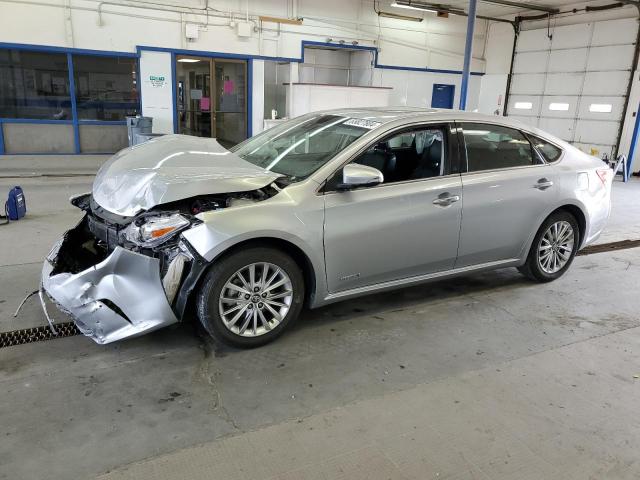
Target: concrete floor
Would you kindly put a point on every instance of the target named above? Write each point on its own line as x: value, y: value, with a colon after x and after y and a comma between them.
x: 486, y: 376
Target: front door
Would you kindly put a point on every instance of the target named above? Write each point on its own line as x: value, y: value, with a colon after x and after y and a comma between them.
x: 507, y: 191
x: 406, y: 226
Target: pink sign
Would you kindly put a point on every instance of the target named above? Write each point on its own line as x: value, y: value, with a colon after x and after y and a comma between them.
x: 228, y: 87
x: 205, y: 104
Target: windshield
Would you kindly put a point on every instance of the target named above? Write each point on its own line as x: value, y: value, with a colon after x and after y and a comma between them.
x: 298, y: 148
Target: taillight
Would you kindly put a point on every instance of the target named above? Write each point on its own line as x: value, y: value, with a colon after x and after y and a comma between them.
x: 604, y: 174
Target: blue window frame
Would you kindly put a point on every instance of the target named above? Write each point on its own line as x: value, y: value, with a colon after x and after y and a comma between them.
x: 34, y: 85
x: 40, y: 85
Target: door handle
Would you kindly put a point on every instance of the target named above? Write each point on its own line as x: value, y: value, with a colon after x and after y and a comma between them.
x: 543, y: 184
x: 444, y: 200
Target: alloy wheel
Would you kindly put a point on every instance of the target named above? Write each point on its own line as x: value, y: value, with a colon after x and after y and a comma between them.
x: 255, y: 299
x: 556, y: 247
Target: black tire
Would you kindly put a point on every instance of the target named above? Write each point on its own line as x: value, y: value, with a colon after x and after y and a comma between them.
x: 208, y: 297
x: 532, y: 267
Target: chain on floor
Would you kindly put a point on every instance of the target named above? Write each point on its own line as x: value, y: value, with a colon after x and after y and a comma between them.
x: 37, y: 334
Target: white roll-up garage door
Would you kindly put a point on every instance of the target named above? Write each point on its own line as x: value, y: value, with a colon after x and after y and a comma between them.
x: 574, y: 84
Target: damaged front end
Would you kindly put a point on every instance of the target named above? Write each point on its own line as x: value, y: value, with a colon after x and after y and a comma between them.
x: 111, y: 295
x: 120, y: 277
x: 126, y: 269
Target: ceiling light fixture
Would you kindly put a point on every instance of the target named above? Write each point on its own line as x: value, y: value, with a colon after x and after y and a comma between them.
x: 399, y: 17
x: 410, y: 6
x: 188, y: 60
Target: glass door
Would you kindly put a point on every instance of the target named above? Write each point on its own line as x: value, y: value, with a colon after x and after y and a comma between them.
x: 212, y: 98
x: 193, y: 76
x: 230, y: 101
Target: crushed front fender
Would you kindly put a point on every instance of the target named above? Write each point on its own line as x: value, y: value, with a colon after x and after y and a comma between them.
x: 120, y: 297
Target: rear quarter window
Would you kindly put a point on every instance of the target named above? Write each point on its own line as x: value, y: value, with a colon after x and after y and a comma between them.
x: 549, y: 152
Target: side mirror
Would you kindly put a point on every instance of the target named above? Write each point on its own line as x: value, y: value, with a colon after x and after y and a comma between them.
x: 355, y: 175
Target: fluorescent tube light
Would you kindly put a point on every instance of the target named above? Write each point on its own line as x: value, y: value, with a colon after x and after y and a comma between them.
x: 561, y: 107
x: 399, y: 17
x: 523, y: 105
x: 188, y: 60
x: 413, y: 7
x: 600, y: 107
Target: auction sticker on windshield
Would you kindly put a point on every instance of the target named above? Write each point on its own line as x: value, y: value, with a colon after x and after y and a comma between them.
x: 360, y: 122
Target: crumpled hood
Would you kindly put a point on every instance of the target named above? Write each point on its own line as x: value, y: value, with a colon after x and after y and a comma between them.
x: 170, y: 168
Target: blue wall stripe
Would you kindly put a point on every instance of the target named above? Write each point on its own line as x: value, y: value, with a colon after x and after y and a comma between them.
x: 102, y: 122
x: 77, y: 51
x: 300, y: 59
x: 37, y: 121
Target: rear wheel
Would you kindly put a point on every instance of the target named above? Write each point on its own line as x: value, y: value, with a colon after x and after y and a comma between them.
x: 553, y: 249
x: 249, y: 297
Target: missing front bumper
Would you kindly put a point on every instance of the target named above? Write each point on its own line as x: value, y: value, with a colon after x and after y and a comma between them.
x: 120, y: 297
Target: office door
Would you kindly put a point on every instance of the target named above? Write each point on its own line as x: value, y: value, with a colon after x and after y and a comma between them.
x: 442, y: 95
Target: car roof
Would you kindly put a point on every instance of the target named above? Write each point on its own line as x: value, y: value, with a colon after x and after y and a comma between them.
x: 398, y: 115
x: 389, y: 114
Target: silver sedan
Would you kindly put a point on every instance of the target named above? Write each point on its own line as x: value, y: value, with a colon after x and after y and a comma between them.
x: 325, y: 207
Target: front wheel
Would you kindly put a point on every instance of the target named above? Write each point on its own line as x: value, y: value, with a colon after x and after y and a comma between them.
x: 249, y: 297
x: 553, y: 249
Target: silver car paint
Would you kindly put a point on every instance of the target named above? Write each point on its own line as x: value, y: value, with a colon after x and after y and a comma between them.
x: 427, y: 244
x: 500, y: 209
x: 284, y: 224
x: 170, y: 168
x: 357, y: 244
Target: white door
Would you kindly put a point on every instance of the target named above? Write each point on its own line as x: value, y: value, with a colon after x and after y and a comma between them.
x: 574, y: 84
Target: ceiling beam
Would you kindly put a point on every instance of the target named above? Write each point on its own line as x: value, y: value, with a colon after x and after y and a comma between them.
x: 522, y: 5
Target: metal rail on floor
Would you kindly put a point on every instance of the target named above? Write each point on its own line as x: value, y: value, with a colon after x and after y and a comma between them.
x: 37, y: 334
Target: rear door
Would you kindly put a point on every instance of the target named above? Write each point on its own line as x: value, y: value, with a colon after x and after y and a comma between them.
x: 507, y: 189
x: 404, y: 227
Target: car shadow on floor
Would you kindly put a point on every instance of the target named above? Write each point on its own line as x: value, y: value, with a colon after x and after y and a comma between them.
x: 189, y: 334
x: 375, y: 304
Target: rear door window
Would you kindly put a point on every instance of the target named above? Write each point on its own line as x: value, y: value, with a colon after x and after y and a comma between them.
x: 491, y: 147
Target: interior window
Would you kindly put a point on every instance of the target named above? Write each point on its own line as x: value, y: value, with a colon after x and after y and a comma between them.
x: 410, y: 155
x: 493, y: 146
x: 549, y: 152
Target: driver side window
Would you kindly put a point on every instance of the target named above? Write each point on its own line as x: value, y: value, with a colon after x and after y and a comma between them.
x: 410, y: 155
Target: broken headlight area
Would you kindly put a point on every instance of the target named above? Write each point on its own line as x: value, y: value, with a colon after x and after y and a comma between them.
x: 153, y: 229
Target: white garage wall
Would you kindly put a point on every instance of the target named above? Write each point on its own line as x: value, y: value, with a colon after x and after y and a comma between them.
x: 600, y: 78
x: 435, y: 43
x: 499, y: 45
x: 414, y: 89
x: 576, y: 65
